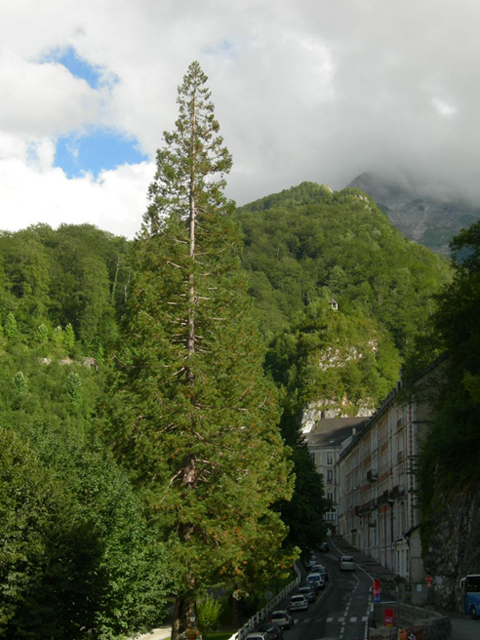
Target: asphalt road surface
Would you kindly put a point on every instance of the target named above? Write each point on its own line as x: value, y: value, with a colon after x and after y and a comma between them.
x: 341, y: 611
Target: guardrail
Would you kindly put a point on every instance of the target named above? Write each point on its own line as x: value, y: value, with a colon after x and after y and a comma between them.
x: 262, y: 615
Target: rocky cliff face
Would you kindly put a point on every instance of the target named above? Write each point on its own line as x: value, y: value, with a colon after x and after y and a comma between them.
x: 455, y: 546
x: 427, y: 220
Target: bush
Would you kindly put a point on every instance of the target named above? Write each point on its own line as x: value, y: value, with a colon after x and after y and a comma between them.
x: 208, y: 613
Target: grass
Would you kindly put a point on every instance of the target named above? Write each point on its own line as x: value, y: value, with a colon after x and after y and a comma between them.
x: 218, y: 635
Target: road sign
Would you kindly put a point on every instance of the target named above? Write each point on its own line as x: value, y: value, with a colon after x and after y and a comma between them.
x: 429, y: 580
x: 388, y: 618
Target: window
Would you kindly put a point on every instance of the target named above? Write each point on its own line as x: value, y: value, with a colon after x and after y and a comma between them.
x: 329, y: 476
x: 330, y: 496
x: 329, y: 457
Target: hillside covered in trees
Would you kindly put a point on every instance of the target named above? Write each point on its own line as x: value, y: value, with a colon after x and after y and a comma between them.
x: 307, y: 239
x: 64, y: 297
x: 148, y: 387
x: 307, y: 246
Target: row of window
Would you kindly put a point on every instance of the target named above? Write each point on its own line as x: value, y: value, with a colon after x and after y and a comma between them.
x: 318, y: 460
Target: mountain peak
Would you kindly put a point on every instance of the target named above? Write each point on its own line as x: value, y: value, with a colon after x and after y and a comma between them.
x: 427, y: 219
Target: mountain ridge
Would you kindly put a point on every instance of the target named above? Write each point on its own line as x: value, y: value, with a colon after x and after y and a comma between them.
x: 427, y: 219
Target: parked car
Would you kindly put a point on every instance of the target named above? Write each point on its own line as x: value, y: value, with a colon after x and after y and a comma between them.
x: 316, y: 580
x: 272, y: 630
x: 319, y: 568
x: 347, y: 563
x: 324, y: 547
x: 298, y: 602
x: 257, y: 635
x: 281, y: 619
x: 308, y: 591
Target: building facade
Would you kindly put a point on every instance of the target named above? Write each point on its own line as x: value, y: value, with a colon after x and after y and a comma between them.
x: 374, y: 483
x: 326, y: 438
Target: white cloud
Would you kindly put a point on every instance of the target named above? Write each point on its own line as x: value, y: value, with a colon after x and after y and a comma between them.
x: 33, y: 193
x: 303, y: 91
x: 443, y: 108
x: 41, y: 99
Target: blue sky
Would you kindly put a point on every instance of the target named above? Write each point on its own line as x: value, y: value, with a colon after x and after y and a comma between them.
x: 78, y: 67
x: 101, y: 149
x: 98, y: 148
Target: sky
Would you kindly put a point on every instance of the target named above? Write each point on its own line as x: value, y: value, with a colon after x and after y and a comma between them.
x: 318, y: 90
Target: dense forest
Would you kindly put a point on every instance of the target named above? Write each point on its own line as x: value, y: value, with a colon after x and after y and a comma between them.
x: 64, y: 295
x: 148, y: 386
x: 307, y: 246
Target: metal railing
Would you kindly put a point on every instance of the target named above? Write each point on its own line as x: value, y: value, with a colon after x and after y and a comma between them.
x: 262, y: 615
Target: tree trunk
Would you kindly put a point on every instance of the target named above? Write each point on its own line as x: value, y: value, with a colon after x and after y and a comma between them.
x: 185, y: 608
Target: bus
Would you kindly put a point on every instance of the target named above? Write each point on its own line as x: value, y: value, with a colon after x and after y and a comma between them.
x: 470, y: 587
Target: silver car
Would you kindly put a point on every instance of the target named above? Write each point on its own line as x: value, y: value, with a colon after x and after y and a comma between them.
x: 281, y: 619
x: 298, y: 603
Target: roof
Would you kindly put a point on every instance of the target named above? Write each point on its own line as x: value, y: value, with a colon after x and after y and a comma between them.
x: 333, y: 431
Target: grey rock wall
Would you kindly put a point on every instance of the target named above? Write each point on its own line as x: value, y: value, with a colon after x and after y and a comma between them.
x: 455, y: 546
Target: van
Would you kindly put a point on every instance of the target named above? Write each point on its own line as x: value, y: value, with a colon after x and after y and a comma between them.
x: 347, y: 563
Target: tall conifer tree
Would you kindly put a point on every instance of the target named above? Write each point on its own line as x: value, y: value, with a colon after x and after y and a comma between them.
x: 195, y: 417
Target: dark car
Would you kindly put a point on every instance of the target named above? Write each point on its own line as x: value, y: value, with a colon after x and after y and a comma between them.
x: 324, y: 547
x: 271, y: 630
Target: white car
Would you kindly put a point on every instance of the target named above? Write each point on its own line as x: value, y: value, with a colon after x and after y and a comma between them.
x: 281, y: 619
x: 257, y: 635
x: 347, y: 563
x: 308, y: 591
x: 298, y: 603
x: 316, y: 580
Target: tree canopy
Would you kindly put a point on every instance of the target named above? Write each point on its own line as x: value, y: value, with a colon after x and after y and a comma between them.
x: 194, y: 417
x: 450, y: 457
x: 307, y: 239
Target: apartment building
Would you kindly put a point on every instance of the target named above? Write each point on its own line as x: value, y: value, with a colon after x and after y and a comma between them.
x: 326, y: 438
x: 369, y: 469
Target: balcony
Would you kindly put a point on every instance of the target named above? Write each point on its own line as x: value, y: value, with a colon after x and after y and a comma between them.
x: 372, y: 475
x: 397, y: 491
x: 383, y: 498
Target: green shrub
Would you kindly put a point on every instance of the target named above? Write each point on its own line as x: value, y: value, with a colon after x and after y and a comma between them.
x: 208, y: 613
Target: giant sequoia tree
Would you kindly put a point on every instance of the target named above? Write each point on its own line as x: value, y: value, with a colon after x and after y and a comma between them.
x: 194, y: 416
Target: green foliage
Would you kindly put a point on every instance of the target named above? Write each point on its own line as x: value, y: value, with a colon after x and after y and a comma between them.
x: 10, y: 326
x: 72, y: 388
x: 76, y: 275
x: 209, y: 610
x: 69, y: 339
x: 41, y: 334
x: 76, y: 554
x: 450, y: 457
x: 345, y: 359
x: 193, y: 415
x: 19, y: 382
x: 307, y: 238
